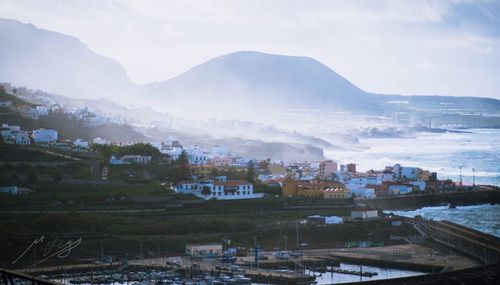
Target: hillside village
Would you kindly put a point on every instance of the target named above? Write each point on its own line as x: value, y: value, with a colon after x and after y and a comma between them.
x: 325, y: 179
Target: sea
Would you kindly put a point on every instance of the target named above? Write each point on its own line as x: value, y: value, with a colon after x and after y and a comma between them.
x: 475, y: 154
x: 484, y: 218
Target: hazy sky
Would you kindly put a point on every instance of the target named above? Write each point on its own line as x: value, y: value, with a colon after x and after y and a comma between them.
x: 405, y: 47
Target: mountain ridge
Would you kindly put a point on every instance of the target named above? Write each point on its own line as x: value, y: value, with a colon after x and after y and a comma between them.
x: 56, y: 62
x: 230, y: 83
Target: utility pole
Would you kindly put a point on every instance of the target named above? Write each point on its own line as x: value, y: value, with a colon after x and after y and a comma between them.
x: 256, y: 253
x: 473, y: 177
x: 279, y: 240
x: 297, y: 232
x: 460, y: 167
x: 285, y: 237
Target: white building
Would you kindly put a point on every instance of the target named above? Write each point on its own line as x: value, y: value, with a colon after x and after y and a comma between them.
x: 45, y: 136
x: 33, y: 112
x: 386, y: 176
x: 22, y: 137
x: 364, y: 213
x: 327, y: 220
x: 81, y: 143
x: 420, y: 184
x: 406, y: 172
x: 210, y: 189
x: 42, y: 110
x: 358, y: 186
x: 14, y: 135
x: 174, y: 152
x: 366, y: 192
x: 100, y: 141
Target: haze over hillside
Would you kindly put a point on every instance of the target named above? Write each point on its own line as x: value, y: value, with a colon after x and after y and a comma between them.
x: 251, y: 79
x: 57, y: 63
x: 229, y: 86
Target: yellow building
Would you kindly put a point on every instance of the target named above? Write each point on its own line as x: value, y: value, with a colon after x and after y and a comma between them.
x: 293, y: 188
x: 202, y: 170
x: 424, y: 175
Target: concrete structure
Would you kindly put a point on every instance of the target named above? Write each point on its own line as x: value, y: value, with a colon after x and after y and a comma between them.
x: 364, y: 213
x: 203, y: 250
x: 327, y: 169
x: 45, y: 136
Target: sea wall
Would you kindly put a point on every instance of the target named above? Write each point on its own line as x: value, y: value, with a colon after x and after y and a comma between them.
x: 484, y: 247
x: 405, y: 202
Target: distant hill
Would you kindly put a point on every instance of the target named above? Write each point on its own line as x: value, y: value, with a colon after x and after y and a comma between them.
x: 58, y: 63
x: 246, y: 81
x: 257, y: 80
x: 250, y: 79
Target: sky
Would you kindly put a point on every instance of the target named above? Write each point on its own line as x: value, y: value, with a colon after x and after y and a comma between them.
x: 389, y: 47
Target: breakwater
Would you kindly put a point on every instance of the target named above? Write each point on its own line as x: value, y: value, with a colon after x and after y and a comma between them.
x: 404, y: 202
x: 483, y: 247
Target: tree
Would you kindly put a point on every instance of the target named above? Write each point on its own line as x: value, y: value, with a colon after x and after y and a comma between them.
x: 251, y: 172
x: 141, y: 149
x: 206, y: 191
x: 183, y: 171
